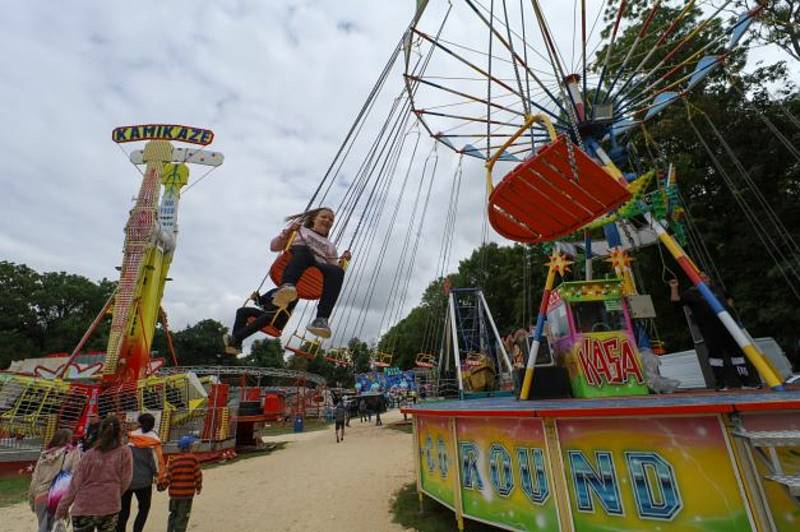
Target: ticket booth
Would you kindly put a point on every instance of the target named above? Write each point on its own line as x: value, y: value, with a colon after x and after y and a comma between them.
x: 590, y: 333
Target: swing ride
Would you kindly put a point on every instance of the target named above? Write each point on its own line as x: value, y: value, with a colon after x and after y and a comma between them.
x: 511, y: 97
x: 490, y: 80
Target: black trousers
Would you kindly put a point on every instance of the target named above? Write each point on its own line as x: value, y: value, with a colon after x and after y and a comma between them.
x: 143, y: 498
x: 263, y: 316
x: 332, y: 277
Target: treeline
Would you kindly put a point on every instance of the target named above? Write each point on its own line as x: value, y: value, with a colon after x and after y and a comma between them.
x: 45, y: 313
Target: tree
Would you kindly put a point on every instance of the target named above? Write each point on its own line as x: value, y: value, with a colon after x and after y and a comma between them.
x: 200, y: 344
x: 359, y: 354
x: 49, y: 312
x: 266, y: 353
x: 778, y: 23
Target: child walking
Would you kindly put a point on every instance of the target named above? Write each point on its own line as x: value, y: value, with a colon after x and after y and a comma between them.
x: 185, y: 480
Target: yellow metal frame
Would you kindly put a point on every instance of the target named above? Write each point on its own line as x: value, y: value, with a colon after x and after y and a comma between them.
x: 529, y: 121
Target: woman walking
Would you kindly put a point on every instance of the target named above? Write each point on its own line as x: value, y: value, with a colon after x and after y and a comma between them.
x: 59, y: 456
x: 103, y: 475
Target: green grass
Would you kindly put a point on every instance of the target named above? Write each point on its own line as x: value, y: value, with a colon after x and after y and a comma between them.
x: 311, y: 424
x: 402, y: 426
x: 13, y: 489
x: 433, y: 518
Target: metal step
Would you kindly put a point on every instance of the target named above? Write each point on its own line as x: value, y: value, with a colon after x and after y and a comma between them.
x: 771, y: 438
x: 792, y: 482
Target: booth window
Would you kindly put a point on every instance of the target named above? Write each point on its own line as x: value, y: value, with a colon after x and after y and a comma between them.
x: 598, y: 316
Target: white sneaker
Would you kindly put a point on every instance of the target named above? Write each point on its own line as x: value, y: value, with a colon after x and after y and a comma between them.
x: 230, y: 347
x: 285, y: 295
x: 319, y: 327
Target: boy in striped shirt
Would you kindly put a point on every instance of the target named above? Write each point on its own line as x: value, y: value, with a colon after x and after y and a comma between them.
x: 185, y: 480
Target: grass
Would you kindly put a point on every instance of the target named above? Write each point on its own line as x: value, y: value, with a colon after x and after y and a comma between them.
x: 433, y: 518
x: 13, y: 489
x: 310, y: 425
x: 401, y: 426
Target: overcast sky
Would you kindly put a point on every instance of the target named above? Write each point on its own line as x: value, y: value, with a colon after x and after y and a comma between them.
x: 279, y: 83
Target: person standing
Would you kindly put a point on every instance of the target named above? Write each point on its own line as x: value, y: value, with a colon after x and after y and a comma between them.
x: 362, y: 410
x: 147, y: 460
x: 185, y: 480
x: 339, y: 415
x: 91, y: 433
x: 102, y: 476
x: 59, y: 456
x: 722, y: 349
x: 381, y: 406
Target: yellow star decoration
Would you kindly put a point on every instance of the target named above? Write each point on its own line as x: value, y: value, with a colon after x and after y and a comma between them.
x: 619, y: 259
x: 559, y: 262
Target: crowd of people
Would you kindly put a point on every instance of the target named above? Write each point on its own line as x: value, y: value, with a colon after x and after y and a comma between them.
x: 94, y: 482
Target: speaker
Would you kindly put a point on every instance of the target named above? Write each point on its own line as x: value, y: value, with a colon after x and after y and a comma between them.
x: 550, y: 382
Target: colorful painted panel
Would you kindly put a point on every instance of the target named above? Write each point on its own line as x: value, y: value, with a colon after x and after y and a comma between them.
x: 436, y: 458
x: 784, y: 509
x: 505, y: 475
x: 605, y: 365
x: 651, y: 474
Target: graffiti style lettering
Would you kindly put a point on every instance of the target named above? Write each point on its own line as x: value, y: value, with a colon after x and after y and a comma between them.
x: 630, y: 365
x: 603, y: 482
x: 500, y: 472
x: 609, y: 361
x: 654, y: 500
x: 469, y: 466
x: 539, y: 492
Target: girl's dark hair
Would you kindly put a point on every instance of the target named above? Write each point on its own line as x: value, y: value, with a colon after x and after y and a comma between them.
x: 146, y: 422
x: 110, y: 434
x: 60, y: 438
x: 307, y: 218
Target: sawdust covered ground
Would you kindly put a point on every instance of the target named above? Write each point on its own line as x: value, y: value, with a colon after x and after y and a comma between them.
x: 312, y: 484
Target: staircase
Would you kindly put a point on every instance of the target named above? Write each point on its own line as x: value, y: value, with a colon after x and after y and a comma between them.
x: 765, y: 443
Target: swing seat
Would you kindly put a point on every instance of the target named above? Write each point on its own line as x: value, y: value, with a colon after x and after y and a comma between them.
x: 425, y: 360
x: 540, y: 200
x: 310, y: 284
x: 300, y: 352
x: 269, y: 330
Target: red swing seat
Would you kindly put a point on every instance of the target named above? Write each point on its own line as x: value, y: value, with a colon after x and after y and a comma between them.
x: 540, y: 200
x: 300, y: 352
x: 269, y: 330
x: 310, y: 284
x: 425, y: 360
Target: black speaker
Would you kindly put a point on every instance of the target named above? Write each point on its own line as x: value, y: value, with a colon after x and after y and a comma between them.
x: 550, y: 382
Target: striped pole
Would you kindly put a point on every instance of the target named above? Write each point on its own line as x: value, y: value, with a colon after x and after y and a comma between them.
x: 557, y: 264
x: 744, y: 342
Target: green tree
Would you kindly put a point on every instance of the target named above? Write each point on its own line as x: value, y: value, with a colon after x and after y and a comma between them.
x: 49, y: 312
x: 267, y: 353
x: 200, y: 344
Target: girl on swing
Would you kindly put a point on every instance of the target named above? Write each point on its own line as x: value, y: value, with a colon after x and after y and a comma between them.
x: 311, y: 247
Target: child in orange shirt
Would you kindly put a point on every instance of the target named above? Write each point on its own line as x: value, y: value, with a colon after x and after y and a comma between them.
x: 185, y: 480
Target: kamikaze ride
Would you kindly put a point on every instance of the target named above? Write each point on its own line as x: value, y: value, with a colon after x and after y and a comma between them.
x: 38, y: 396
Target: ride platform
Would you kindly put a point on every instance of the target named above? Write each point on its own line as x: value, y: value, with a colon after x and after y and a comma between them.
x: 686, y: 461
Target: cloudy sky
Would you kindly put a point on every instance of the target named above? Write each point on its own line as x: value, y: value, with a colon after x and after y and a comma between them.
x: 279, y: 82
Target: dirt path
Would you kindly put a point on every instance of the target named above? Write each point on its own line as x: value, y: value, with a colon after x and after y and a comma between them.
x: 312, y: 484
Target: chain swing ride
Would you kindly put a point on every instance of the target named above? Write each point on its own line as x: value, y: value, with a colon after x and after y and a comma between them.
x: 490, y: 80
